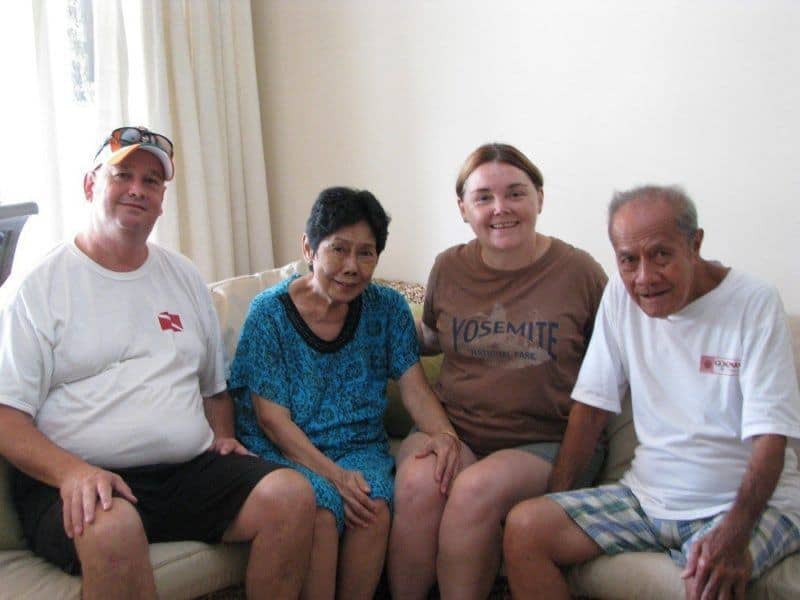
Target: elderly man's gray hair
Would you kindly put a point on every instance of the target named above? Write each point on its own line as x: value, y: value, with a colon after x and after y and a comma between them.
x: 685, y: 210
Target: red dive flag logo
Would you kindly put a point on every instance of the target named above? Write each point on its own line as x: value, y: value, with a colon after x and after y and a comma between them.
x: 170, y: 322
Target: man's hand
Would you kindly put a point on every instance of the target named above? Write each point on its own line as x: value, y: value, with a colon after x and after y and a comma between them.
x: 447, y: 449
x: 359, y: 509
x: 719, y: 565
x: 226, y: 445
x: 80, y: 490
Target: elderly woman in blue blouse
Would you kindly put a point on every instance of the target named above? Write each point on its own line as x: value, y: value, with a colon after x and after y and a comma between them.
x: 310, y: 377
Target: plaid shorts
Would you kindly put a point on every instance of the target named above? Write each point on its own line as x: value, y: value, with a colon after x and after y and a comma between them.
x: 612, y: 516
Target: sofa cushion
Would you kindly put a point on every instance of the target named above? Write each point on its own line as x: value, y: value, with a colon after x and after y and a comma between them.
x: 181, y: 570
x: 652, y: 575
x: 192, y: 569
x: 630, y: 575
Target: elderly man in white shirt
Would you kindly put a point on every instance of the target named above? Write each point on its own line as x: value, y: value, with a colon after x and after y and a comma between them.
x: 705, y: 351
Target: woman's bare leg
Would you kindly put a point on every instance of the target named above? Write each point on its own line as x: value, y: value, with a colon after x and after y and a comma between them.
x: 471, y: 530
x: 361, y: 557
x: 321, y: 580
x: 418, y: 508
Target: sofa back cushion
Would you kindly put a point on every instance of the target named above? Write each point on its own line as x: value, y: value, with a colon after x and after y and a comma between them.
x: 622, y: 443
x: 232, y: 299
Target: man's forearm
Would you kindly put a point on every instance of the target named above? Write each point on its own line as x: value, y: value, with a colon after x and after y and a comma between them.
x: 30, y: 451
x: 758, y: 484
x: 219, y: 413
x: 580, y: 439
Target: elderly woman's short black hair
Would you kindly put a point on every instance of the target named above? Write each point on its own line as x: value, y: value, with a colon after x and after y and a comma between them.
x: 339, y: 207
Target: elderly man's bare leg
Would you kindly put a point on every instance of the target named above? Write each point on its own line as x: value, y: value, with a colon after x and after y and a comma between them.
x: 540, y: 539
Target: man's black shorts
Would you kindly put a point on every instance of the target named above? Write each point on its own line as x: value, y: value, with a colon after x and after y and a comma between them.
x: 196, y: 500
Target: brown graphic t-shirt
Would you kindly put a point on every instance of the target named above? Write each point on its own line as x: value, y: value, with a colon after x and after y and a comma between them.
x: 513, y: 341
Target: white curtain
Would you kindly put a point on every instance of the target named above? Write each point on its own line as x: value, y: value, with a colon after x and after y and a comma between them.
x: 184, y: 68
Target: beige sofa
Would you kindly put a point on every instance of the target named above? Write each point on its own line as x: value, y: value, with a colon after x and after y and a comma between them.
x: 192, y: 569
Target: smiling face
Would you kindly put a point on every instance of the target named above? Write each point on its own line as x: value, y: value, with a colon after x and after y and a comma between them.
x: 501, y: 204
x: 127, y: 197
x: 343, y: 264
x: 657, y: 262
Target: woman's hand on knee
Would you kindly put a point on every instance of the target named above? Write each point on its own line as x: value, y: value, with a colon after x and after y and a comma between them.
x: 359, y: 509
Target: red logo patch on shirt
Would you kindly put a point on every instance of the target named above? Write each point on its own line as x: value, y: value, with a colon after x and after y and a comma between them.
x: 170, y: 322
x: 716, y: 365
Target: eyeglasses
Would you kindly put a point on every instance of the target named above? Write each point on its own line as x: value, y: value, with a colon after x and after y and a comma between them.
x: 127, y: 136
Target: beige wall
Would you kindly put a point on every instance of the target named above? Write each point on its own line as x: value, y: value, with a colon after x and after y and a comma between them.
x: 392, y: 95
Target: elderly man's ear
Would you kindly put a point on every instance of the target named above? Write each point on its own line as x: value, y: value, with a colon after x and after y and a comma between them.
x: 697, y: 241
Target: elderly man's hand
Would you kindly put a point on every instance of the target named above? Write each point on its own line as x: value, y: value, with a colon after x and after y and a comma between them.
x: 719, y: 565
x: 226, y: 445
x: 80, y: 489
x: 447, y: 448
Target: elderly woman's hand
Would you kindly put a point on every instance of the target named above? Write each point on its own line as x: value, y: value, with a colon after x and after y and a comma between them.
x: 359, y: 509
x: 447, y: 448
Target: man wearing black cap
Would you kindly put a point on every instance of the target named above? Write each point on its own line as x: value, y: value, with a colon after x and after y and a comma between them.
x: 113, y: 405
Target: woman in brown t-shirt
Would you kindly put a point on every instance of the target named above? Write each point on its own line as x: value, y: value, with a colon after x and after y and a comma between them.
x: 512, y: 311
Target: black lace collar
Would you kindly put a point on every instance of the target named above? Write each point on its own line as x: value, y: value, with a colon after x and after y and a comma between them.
x: 317, y: 343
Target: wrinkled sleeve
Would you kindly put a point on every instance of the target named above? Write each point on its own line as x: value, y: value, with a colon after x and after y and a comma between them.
x: 26, y: 354
x: 771, y: 401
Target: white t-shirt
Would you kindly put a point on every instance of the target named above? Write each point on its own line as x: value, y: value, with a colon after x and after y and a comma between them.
x: 703, y: 382
x: 113, y: 366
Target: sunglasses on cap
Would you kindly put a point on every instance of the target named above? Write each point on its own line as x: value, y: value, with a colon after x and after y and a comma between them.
x: 127, y: 136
